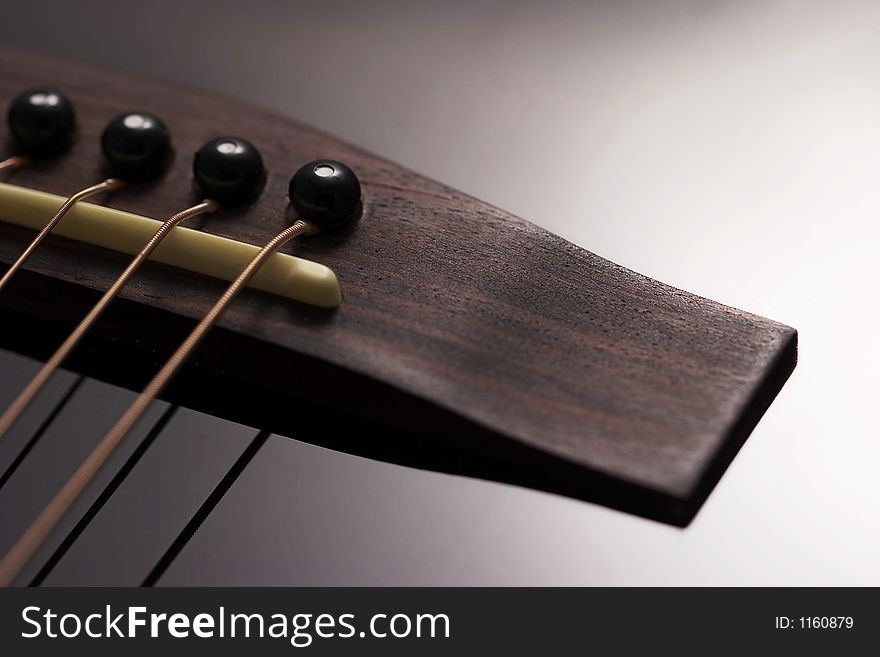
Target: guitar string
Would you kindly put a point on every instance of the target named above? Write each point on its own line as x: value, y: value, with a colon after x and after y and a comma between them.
x: 14, y: 162
x: 31, y: 540
x: 136, y: 146
x: 40, y: 379
x: 109, y: 185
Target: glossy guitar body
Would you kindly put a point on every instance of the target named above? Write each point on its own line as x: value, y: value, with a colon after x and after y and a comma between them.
x: 468, y: 340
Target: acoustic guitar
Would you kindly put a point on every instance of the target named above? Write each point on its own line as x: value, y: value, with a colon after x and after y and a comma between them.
x: 427, y: 329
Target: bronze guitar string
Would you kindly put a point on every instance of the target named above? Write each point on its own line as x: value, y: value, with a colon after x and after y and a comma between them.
x: 24, y: 548
x: 39, y: 380
x: 109, y: 185
x: 229, y: 169
x: 310, y: 188
x: 158, y: 383
x: 137, y: 146
x: 14, y: 162
x: 33, y: 537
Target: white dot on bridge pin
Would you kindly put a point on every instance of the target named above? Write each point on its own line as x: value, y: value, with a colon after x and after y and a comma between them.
x: 48, y: 98
x: 324, y: 170
x: 137, y: 121
x: 229, y: 147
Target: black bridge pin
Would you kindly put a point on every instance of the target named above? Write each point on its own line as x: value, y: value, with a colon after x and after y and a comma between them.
x: 42, y: 123
x: 137, y: 148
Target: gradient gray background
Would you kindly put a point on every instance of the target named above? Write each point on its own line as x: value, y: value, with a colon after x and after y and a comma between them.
x: 728, y: 148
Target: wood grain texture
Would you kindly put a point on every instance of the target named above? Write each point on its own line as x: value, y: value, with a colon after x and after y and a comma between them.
x: 468, y: 340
